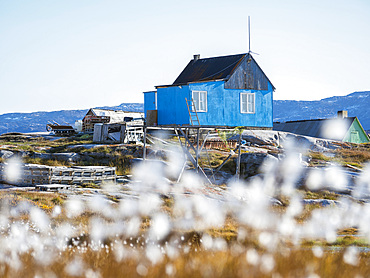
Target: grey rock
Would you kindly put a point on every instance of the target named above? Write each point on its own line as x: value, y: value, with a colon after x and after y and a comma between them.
x: 71, y: 157
x: 100, y: 155
x: 251, y: 163
x: 321, y: 202
x: 41, y: 155
x: 4, y: 154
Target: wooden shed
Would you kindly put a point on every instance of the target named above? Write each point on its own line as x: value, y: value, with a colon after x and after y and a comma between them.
x: 102, y: 116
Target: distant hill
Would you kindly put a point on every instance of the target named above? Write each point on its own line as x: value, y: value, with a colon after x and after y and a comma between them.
x: 129, y: 107
x: 357, y: 104
x: 37, y: 121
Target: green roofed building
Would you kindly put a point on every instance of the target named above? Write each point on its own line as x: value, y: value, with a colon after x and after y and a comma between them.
x: 314, y: 128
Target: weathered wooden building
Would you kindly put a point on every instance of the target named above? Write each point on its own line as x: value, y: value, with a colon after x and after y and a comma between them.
x: 60, y: 130
x: 102, y: 116
x: 222, y: 91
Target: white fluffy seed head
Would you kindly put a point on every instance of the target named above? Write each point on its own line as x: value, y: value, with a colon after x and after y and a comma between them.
x: 74, y: 206
x: 317, y: 251
x: 351, y: 256
x: 252, y: 257
x: 40, y: 218
x: 314, y: 179
x: 335, y: 129
x: 154, y: 254
x: 13, y: 170
x: 160, y: 226
x: 75, y: 267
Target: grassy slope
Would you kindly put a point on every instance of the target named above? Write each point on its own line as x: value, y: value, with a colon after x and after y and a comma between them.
x: 289, y: 261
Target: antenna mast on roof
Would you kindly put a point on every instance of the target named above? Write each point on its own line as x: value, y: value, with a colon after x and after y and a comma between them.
x: 249, y: 36
x: 249, y: 33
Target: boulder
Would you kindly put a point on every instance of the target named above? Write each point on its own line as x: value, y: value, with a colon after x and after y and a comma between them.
x: 4, y: 154
x: 320, y: 202
x: 261, y: 137
x: 70, y: 157
x: 250, y: 163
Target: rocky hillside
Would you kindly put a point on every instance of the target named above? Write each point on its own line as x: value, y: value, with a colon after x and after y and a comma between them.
x: 357, y: 104
x: 37, y: 121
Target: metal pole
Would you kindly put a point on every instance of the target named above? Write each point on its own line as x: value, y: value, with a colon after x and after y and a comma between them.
x: 249, y: 35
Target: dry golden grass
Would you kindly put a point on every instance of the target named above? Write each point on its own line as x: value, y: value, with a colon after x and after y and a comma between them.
x: 285, y: 261
x: 318, y: 156
x: 322, y: 194
x: 200, y: 263
x: 43, y: 200
x: 356, y: 157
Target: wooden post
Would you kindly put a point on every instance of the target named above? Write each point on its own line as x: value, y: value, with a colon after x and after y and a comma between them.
x: 197, y: 153
x: 122, y: 134
x: 184, y: 165
x: 186, y: 136
x: 238, y: 160
x: 204, y: 141
x: 188, y: 154
x: 223, y: 163
x: 144, y: 147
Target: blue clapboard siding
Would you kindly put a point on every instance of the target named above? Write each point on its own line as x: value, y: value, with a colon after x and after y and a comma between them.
x: 149, y: 101
x: 223, y: 106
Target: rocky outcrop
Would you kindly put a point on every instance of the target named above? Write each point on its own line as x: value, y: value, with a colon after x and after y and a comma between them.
x: 69, y: 157
x: 250, y: 163
x: 270, y: 138
x: 4, y: 154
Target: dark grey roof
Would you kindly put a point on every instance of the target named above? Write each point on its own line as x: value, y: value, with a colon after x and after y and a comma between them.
x: 307, y: 127
x: 207, y: 69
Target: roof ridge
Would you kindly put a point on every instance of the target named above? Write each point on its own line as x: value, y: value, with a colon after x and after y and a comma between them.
x: 311, y: 120
x: 241, y: 54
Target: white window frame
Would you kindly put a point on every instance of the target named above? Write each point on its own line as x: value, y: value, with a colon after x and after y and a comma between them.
x: 249, y: 110
x: 196, y: 104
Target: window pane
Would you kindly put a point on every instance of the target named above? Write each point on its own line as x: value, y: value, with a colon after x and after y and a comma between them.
x: 202, y: 101
x: 196, y: 100
x: 251, y: 103
x: 243, y: 103
x: 247, y: 104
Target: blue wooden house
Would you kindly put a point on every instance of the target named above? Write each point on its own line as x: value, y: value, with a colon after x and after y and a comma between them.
x: 225, y: 91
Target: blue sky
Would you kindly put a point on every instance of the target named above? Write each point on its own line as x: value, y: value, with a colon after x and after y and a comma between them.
x: 57, y: 55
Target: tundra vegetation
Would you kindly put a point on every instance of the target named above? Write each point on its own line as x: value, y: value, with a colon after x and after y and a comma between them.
x: 151, y: 227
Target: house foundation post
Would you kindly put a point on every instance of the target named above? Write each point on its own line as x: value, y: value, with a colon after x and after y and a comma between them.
x: 239, y: 156
x: 197, y: 153
x: 144, y: 146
